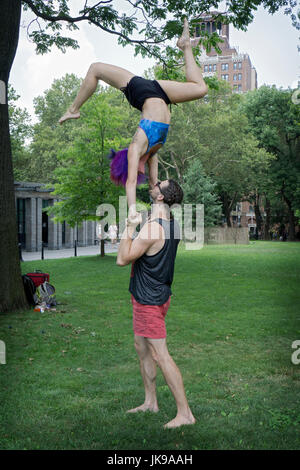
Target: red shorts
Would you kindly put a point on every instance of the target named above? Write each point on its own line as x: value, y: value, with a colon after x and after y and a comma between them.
x: 149, y: 320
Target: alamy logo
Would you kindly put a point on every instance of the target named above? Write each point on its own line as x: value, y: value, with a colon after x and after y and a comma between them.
x: 2, y: 92
x: 296, y: 96
x: 2, y: 353
x: 296, y: 354
x: 190, y: 221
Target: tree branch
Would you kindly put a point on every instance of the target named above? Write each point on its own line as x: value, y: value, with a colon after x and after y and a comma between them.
x: 176, y: 166
x: 90, y: 19
x: 85, y: 17
x: 46, y: 17
x: 163, y: 162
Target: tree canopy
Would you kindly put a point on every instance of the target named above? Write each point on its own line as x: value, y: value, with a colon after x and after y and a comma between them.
x: 274, y: 120
x: 148, y: 25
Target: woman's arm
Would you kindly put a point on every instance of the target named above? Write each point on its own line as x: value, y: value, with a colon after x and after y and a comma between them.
x: 136, y: 149
x: 153, y: 170
x: 133, y: 164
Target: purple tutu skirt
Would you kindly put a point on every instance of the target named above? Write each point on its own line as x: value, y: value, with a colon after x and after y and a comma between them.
x: 119, y: 168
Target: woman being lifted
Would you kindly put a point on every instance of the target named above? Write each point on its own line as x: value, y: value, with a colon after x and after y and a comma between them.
x: 151, y: 97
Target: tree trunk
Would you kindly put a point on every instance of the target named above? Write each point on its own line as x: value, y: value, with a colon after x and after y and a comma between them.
x: 12, y: 296
x: 267, y: 235
x: 258, y: 216
x: 227, y: 206
x: 292, y: 220
x: 291, y: 215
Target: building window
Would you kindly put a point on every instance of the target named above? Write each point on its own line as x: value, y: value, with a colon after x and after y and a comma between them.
x: 215, y: 67
x: 239, y: 76
x: 197, y: 31
x: 234, y: 77
x: 205, y: 68
x: 225, y: 77
x: 210, y: 67
x: 240, y: 65
x: 224, y: 66
x: 237, y: 88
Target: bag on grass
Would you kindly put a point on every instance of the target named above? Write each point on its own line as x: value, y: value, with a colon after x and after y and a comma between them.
x: 38, y: 277
x: 30, y: 290
x: 46, y: 293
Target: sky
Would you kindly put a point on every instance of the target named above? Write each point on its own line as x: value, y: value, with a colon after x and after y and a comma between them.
x: 271, y: 42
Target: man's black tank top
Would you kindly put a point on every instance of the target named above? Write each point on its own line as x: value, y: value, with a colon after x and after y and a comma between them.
x: 152, y: 275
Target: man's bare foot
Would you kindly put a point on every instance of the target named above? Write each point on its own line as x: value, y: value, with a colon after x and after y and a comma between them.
x: 184, y: 40
x: 180, y: 420
x: 144, y: 407
x: 69, y: 115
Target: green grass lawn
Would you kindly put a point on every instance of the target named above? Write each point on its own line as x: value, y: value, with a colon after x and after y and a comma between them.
x: 71, y: 375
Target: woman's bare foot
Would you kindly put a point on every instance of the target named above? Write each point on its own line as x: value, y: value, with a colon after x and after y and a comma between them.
x: 144, y: 407
x: 180, y: 420
x: 69, y: 115
x: 184, y: 40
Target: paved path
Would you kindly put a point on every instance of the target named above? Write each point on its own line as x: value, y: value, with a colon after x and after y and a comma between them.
x: 69, y: 252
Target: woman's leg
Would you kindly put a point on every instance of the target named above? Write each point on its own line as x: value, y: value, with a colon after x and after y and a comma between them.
x: 110, y: 74
x: 195, y: 87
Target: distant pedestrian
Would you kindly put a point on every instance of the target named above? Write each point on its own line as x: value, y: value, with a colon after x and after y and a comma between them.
x: 113, y: 233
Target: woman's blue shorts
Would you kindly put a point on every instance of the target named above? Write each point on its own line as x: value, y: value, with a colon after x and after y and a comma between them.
x: 156, y: 132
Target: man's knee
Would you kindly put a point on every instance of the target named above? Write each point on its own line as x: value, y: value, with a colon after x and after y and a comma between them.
x: 140, y: 346
x: 159, y: 355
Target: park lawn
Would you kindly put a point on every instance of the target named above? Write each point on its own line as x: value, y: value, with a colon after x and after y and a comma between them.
x: 71, y: 375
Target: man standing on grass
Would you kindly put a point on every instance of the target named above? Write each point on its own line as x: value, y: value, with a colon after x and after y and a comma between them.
x: 152, y: 254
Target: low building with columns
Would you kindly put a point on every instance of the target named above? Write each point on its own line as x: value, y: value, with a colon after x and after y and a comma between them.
x: 36, y: 227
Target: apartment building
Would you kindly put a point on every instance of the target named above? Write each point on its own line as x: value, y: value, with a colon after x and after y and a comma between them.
x: 229, y: 65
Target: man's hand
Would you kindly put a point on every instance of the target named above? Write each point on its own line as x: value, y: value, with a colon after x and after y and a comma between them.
x: 134, y: 220
x: 129, y: 249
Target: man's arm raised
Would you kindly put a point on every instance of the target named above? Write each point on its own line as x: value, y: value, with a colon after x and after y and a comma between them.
x: 129, y: 249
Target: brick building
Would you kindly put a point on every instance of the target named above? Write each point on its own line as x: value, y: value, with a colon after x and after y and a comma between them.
x: 36, y: 227
x: 244, y: 216
x: 234, y: 67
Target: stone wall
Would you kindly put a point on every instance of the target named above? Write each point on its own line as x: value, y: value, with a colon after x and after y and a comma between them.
x: 226, y: 235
